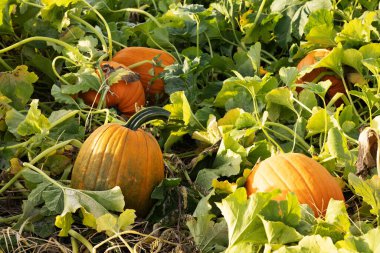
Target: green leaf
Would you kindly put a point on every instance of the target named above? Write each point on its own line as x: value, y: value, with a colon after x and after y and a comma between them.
x: 337, y: 144
x: 357, y: 31
x: 242, y: 216
x: 6, y: 8
x: 288, y: 75
x: 35, y: 122
x: 227, y: 163
x: 368, y: 242
x: 254, y: 56
x: 332, y: 61
x: 211, y: 135
x: 319, y: 122
x: 180, y: 109
x: 279, y: 233
x: 369, y: 190
x: 371, y: 50
x: 353, y: 58
x: 209, y: 235
x: 312, y: 243
x: 336, y: 214
x: 295, y: 17
x: 281, y: 96
x: 18, y: 85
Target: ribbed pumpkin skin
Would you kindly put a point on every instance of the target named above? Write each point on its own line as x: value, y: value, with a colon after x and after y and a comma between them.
x: 297, y: 173
x: 131, y: 55
x: 312, y: 58
x: 125, y: 96
x: 114, y: 155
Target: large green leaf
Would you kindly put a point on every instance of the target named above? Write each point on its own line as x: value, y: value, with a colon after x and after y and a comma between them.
x: 242, y: 216
x: 18, y: 86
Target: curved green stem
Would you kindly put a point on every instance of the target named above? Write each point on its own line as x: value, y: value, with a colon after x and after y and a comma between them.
x: 299, y: 139
x: 258, y: 14
x: 64, y: 118
x: 18, y: 145
x: 42, y: 38
x: 109, y: 35
x: 47, y: 151
x: 80, y: 238
x: 49, y: 179
x: 5, y: 65
x: 11, y: 182
x: 90, y: 27
x: 55, y: 70
x: 144, y: 13
x: 74, y: 245
x: 10, y: 219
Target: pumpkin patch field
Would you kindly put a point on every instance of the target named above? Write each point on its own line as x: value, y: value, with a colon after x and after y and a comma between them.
x: 189, y: 126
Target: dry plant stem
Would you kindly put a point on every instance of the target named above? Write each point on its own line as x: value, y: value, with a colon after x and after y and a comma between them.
x: 130, y: 232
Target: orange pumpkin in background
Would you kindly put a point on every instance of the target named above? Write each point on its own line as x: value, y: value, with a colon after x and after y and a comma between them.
x: 312, y: 58
x: 125, y: 95
x: 297, y: 173
x: 148, y: 63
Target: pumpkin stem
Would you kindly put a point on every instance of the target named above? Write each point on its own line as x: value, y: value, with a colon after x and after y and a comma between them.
x: 146, y: 115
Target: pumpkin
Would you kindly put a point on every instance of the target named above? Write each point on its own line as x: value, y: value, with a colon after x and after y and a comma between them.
x: 297, y: 173
x: 148, y: 63
x: 125, y: 156
x: 312, y: 58
x: 125, y: 95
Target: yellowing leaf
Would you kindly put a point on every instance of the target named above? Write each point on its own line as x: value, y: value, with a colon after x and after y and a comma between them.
x: 126, y: 219
x: 64, y: 222
x: 106, y: 223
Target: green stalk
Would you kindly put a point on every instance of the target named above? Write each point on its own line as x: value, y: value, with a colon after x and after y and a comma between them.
x: 39, y: 171
x: 260, y: 10
x: 74, y: 245
x: 47, y: 39
x: 47, y: 151
x: 80, y: 238
x: 55, y: 70
x: 299, y: 139
x: 90, y: 27
x: 7, y: 220
x: 11, y: 182
x: 64, y: 118
x: 109, y: 35
x: 5, y: 65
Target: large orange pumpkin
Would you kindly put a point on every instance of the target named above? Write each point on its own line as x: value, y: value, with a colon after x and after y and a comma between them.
x: 297, y: 173
x: 115, y: 155
x: 313, y: 57
x: 125, y: 95
x: 142, y: 58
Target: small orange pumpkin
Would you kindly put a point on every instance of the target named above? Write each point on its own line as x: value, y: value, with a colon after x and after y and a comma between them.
x: 125, y: 156
x: 125, y: 94
x: 313, y: 57
x: 146, y: 61
x: 297, y: 173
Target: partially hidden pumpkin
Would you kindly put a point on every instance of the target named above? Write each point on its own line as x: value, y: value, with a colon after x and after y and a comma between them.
x: 115, y: 155
x: 312, y: 58
x: 125, y: 95
x: 148, y: 63
x: 297, y: 173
